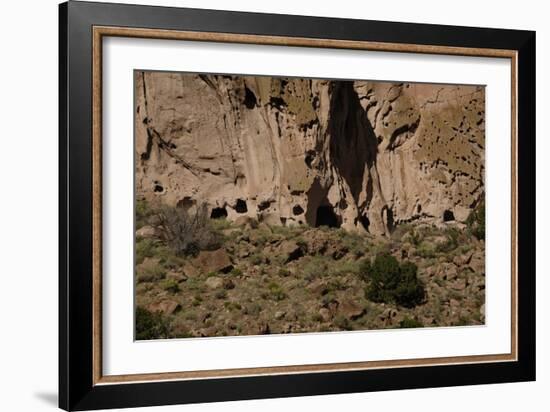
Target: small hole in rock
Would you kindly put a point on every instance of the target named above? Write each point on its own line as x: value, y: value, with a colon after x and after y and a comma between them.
x: 365, y: 222
x: 297, y: 210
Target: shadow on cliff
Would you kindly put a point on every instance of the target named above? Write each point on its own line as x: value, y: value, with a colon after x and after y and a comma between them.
x: 353, y: 144
x: 352, y: 148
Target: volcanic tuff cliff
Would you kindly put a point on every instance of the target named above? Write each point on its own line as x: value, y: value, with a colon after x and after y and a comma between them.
x: 362, y: 155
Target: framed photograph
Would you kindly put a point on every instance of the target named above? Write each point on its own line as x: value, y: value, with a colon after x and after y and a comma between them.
x: 257, y: 205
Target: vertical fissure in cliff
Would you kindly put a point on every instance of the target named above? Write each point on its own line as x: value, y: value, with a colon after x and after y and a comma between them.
x: 353, y: 144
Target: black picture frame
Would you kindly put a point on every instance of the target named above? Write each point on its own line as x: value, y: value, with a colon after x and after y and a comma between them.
x: 77, y: 390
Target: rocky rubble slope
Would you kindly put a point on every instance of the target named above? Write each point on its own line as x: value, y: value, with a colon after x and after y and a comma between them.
x: 274, y: 279
x: 361, y: 155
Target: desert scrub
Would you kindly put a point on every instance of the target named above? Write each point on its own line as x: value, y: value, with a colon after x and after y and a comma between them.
x: 185, y: 232
x: 236, y: 272
x: 230, y: 306
x: 381, y: 247
x: 257, y: 258
x: 342, y: 323
x: 342, y: 267
x: 400, y: 231
x: 410, y: 323
x: 415, y: 237
x: 353, y: 242
x: 143, y: 213
x: 426, y: 250
x: 145, y: 248
x: 170, y: 285
x: 314, y: 266
x: 392, y: 282
x: 288, y: 232
x: 451, y: 243
x: 221, y: 224
x: 150, y: 272
x: 476, y: 221
x: 276, y: 292
x: 220, y: 294
x: 151, y: 325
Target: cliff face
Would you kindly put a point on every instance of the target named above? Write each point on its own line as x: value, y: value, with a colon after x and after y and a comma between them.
x: 357, y: 154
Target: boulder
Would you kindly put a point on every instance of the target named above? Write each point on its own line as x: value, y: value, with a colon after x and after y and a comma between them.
x: 464, y: 259
x: 190, y: 270
x: 213, y: 261
x: 166, y: 307
x: 351, y: 310
x: 289, y: 250
x: 477, y: 262
x: 214, y: 282
x: 177, y: 276
x: 280, y: 314
x: 147, y: 232
x: 325, y: 314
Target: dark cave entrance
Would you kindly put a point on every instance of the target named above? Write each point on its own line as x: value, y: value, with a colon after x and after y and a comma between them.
x: 297, y: 210
x: 326, y: 217
x: 218, y: 213
x: 249, y: 99
x: 448, y: 216
x: 365, y: 222
x: 240, y: 206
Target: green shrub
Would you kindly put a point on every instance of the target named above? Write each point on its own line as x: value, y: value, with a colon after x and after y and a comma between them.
x: 343, y: 267
x: 257, y: 258
x: 150, y: 274
x: 400, y: 231
x: 144, y: 248
x: 220, y: 294
x: 426, y: 250
x: 410, y: 323
x: 415, y: 237
x: 151, y: 325
x: 476, y: 221
x: 392, y: 282
x: 342, y: 322
x: 451, y: 243
x: 170, y: 285
x: 232, y: 306
x: 143, y: 213
x: 276, y: 292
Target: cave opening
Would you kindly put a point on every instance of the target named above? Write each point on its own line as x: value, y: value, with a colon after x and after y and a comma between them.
x: 390, y: 222
x: 326, y: 217
x: 240, y: 206
x: 249, y: 98
x: 157, y: 188
x: 448, y: 216
x: 186, y: 203
x: 309, y: 158
x: 218, y: 213
x: 297, y: 210
x: 365, y: 222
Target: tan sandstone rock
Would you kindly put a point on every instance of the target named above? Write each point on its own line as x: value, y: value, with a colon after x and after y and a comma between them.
x: 361, y: 155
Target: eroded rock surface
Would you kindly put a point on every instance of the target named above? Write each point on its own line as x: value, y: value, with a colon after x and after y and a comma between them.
x: 361, y: 155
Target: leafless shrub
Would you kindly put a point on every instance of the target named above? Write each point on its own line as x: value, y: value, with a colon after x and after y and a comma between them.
x: 187, y: 232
